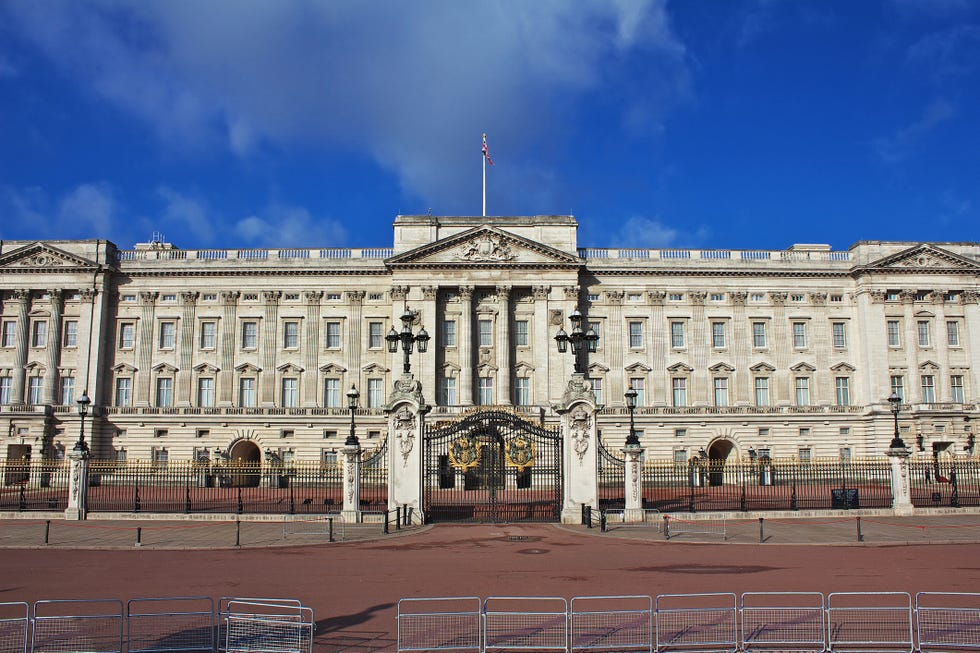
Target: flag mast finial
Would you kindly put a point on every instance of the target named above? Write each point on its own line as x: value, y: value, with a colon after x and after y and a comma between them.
x: 486, y: 159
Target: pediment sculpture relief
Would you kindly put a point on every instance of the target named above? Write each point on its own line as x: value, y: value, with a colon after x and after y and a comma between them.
x: 486, y: 248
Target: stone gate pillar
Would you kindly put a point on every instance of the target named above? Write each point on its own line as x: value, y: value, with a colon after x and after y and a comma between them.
x: 634, y: 484
x: 78, y: 461
x: 406, y: 412
x: 901, y: 482
x: 580, y: 481
x: 352, y: 484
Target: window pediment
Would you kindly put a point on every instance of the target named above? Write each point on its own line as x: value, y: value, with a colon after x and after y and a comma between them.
x: 597, y: 369
x: 248, y: 368
x: 124, y: 368
x: 289, y: 368
x: 843, y: 367
x: 332, y: 368
x: 928, y: 365
x: 164, y: 368
x: 524, y: 367
x: 803, y: 367
x: 206, y: 368
x: 721, y: 367
x: 638, y: 367
x: 375, y: 368
x: 680, y: 368
x: 762, y: 367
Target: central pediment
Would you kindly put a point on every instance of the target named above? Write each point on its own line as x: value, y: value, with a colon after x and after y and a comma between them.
x: 43, y: 257
x: 485, y: 246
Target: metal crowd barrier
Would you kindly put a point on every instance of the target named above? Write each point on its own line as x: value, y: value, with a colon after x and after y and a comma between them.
x: 157, y: 625
x: 755, y: 622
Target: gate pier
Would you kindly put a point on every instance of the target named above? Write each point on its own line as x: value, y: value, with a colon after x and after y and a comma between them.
x: 581, y: 484
x: 406, y: 411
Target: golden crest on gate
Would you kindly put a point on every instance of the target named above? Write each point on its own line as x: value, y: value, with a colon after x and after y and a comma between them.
x: 520, y: 453
x: 464, y: 453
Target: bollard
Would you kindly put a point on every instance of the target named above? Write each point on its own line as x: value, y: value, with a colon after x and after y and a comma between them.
x: 398, y: 518
x: 238, y: 532
x: 860, y: 534
x: 139, y: 536
x: 762, y: 530
x: 666, y: 527
x: 47, y: 531
x: 384, y: 527
x: 602, y: 521
x: 408, y: 515
x: 587, y: 515
x: 330, y: 529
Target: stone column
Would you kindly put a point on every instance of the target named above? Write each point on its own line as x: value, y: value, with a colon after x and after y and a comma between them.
x: 226, y: 377
x: 901, y: 483
x: 941, y: 346
x: 311, y: 349
x: 466, y: 360
x: 428, y: 319
x: 541, y: 334
x: 739, y: 342
x: 577, y: 409
x: 23, y: 298
x: 352, y: 484
x: 144, y: 356
x: 703, y: 385
x: 49, y: 391
x: 634, y: 484
x: 782, y: 346
x: 615, y: 344
x: 77, y: 481
x: 185, y: 355
x: 406, y: 414
x: 970, y: 340
x: 659, y: 391
x: 269, y: 347
x: 504, y: 370
x: 355, y: 299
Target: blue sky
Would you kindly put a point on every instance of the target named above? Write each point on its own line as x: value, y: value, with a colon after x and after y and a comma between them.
x: 715, y: 124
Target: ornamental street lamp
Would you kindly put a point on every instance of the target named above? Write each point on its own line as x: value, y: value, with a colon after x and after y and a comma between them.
x: 83, y: 403
x: 631, y: 439
x: 407, y: 338
x: 352, y: 396
x: 578, y: 339
x: 896, y: 401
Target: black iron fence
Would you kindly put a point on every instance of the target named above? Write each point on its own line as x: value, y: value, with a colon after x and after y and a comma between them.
x: 611, y: 474
x: 283, y: 488
x: 945, y: 481
x: 766, y: 484
x: 34, y: 485
x: 374, y: 479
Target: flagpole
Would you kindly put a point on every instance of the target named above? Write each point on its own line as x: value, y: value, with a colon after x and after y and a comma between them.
x: 484, y: 157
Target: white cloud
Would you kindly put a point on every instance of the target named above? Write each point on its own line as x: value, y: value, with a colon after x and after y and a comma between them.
x: 896, y: 148
x: 290, y: 226
x: 89, y: 209
x: 642, y: 232
x: 413, y: 84
x: 188, y: 213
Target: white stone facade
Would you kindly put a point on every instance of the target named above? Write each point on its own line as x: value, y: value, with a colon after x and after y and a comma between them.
x: 192, y: 352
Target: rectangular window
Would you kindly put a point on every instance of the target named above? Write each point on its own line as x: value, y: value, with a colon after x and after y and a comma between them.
x: 376, y: 339
x: 842, y: 386
x: 71, y: 333
x: 898, y: 386
x: 246, y: 392
x: 675, y: 296
x: 522, y: 391
x: 290, y: 335
x: 168, y: 335
x: 839, y: 330
x: 805, y: 453
x: 165, y: 392
x: 449, y: 333
x: 205, y: 392
x: 290, y: 392
x: 844, y: 454
x: 449, y: 391
x: 956, y: 389
x: 485, y: 394
x: 680, y: 456
x: 680, y: 433
x: 953, y: 333
x: 376, y: 395
x: 636, y: 334
x: 9, y: 334
x: 520, y: 333
x: 331, y: 393
x: 485, y: 332
x: 922, y: 328
x: 127, y: 335
x: 677, y: 335
x: 894, y: 333
x: 762, y: 391
x: 124, y: 391
x: 39, y: 336
x: 759, y: 335
x: 721, y: 392
x: 34, y: 385
x: 250, y: 335
x: 639, y: 384
x: 67, y: 391
x: 159, y: 455
x: 678, y: 389
x: 597, y: 389
x: 333, y: 335
x: 6, y: 386
x: 802, y: 391
x: 718, y: 335
x: 928, y: 389
x: 799, y: 335
x: 209, y: 334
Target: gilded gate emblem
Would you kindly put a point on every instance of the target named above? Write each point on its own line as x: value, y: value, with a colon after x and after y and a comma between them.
x: 464, y: 453
x: 520, y: 453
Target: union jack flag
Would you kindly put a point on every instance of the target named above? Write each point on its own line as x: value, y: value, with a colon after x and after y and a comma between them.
x: 486, y: 152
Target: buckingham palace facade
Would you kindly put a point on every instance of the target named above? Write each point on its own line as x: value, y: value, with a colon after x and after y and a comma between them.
x: 189, y: 353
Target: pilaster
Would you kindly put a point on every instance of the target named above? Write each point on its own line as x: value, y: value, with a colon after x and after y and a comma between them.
x: 355, y: 302
x: 49, y: 390
x: 185, y: 356
x: 504, y: 370
x: 144, y: 354
x: 541, y: 333
x: 23, y: 298
x: 311, y: 349
x: 466, y: 360
x: 229, y: 327
x: 269, y: 347
x: 430, y: 320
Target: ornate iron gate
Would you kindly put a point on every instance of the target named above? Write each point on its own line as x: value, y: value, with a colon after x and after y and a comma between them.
x: 492, y: 466
x: 612, y: 478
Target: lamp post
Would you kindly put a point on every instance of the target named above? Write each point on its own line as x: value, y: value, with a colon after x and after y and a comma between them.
x: 631, y: 439
x: 896, y: 401
x: 578, y: 339
x: 407, y: 339
x: 81, y: 449
x: 352, y: 397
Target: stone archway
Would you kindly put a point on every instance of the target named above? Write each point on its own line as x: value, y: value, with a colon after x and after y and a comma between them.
x: 718, y: 453
x: 245, y: 460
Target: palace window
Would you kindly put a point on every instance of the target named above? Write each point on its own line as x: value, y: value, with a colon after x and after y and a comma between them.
x: 9, y: 337
x: 928, y: 388
x: 376, y: 338
x: 922, y: 328
x: 485, y: 391
x: 448, y: 389
x: 6, y: 387
x: 898, y: 386
x: 250, y: 335
x: 802, y: 391
x: 894, y: 333
x: 246, y: 392
x: 127, y: 335
x: 333, y: 335
x: 168, y: 335
x: 677, y: 335
x: 759, y: 335
x: 520, y: 333
x: 205, y: 392
x: 34, y: 385
x: 376, y: 397
x: 721, y: 392
x: 839, y: 331
x: 209, y: 335
x: 718, y: 335
x: 71, y: 333
x: 290, y: 335
x: 762, y: 391
x: 165, y: 392
x: 290, y: 392
x: 953, y: 333
x: 67, y: 391
x: 799, y: 335
x: 522, y: 391
x: 842, y: 387
x: 124, y: 391
x: 956, y: 389
x: 485, y: 331
x: 39, y: 335
x: 639, y: 385
x: 597, y: 388
x: 636, y: 334
x: 678, y: 388
x: 449, y: 333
